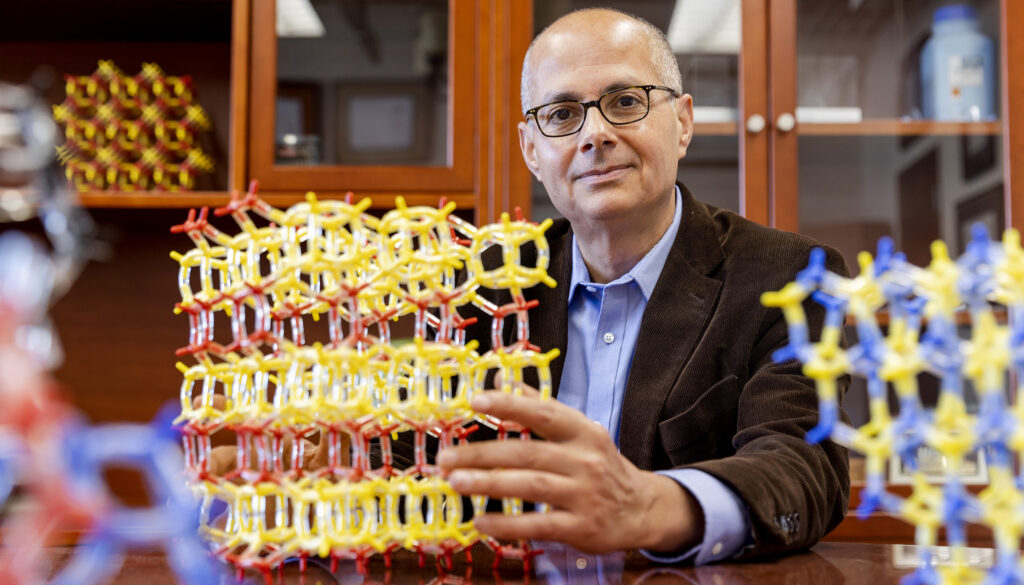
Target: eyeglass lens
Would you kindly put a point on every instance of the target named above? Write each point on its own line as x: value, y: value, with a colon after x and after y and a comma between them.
x: 618, y: 107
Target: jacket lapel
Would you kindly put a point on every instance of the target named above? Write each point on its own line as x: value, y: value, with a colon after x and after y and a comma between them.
x: 675, y: 318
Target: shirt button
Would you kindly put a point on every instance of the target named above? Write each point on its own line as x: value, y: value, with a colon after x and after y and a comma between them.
x: 581, y: 563
x: 591, y: 289
x: 609, y: 337
x: 716, y: 549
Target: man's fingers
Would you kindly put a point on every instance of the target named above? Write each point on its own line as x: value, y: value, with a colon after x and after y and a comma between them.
x: 534, y: 486
x: 550, y: 419
x: 555, y: 525
x: 317, y: 455
x: 527, y: 390
x: 223, y: 459
x: 220, y: 401
x: 511, y: 454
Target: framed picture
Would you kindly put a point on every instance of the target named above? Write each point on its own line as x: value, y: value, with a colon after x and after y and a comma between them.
x: 986, y: 207
x: 936, y: 469
x: 298, y: 123
x: 919, y: 207
x: 298, y: 108
x: 384, y: 123
x: 977, y: 154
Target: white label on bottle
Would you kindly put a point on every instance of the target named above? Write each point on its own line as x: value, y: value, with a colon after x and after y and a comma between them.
x: 966, y: 71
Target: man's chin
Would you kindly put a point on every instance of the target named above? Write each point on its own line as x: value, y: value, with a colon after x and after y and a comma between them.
x: 613, y: 207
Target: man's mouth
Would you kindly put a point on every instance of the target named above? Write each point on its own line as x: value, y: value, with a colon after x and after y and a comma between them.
x: 606, y: 171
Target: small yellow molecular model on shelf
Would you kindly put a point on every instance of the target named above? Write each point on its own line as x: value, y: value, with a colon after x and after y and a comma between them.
x: 987, y: 276
x: 132, y: 133
x: 331, y: 260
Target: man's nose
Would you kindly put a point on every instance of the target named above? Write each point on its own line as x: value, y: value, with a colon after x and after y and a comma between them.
x: 596, y: 131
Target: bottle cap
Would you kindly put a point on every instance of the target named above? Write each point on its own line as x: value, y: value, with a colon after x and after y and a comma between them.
x: 954, y: 12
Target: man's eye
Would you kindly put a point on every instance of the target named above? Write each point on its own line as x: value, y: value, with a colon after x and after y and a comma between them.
x: 626, y: 101
x: 561, y: 114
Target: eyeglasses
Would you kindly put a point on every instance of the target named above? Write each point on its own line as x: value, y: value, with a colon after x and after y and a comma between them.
x: 618, y: 106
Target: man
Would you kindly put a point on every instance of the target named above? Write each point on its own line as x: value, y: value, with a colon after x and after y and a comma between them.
x: 664, y: 341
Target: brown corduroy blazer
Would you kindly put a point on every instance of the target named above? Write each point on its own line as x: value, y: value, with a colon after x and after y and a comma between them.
x: 703, y: 391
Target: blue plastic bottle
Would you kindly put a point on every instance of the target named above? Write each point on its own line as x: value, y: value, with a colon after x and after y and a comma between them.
x: 957, y: 68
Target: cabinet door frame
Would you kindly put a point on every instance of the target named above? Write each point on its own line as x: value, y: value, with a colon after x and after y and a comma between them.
x: 784, y: 168
x: 1012, y: 84
x: 456, y: 177
x: 754, y: 144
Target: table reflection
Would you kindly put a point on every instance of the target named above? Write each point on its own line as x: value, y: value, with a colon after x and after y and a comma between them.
x: 827, y: 563
x: 560, y: 565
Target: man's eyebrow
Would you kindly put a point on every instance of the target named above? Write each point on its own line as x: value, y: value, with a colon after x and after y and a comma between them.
x: 562, y: 96
x: 571, y: 96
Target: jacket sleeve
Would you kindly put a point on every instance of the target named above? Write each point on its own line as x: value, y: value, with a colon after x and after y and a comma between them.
x: 795, y: 492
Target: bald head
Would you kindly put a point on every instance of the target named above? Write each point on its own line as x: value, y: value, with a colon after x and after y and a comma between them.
x: 602, y: 22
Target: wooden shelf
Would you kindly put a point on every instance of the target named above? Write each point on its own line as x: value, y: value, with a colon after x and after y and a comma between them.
x: 715, y: 128
x: 893, y: 127
x: 189, y: 199
x: 872, y: 127
x: 152, y: 199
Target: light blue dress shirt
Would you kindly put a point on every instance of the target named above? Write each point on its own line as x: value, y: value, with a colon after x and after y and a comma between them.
x: 604, y: 322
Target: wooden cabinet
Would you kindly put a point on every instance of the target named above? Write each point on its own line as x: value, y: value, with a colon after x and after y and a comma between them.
x: 234, y: 56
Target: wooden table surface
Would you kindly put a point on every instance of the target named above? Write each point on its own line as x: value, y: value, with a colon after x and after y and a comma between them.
x: 829, y: 563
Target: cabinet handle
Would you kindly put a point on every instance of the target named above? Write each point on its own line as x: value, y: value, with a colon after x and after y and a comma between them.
x: 756, y: 124
x: 785, y: 122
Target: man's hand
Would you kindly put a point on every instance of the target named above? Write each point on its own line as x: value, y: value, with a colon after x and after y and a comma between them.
x: 224, y: 459
x: 598, y: 500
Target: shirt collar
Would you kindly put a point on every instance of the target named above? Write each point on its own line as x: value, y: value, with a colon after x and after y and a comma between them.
x: 645, y: 273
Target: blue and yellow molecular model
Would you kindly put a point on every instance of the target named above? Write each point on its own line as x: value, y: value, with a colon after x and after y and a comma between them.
x: 354, y: 389
x: 988, y: 277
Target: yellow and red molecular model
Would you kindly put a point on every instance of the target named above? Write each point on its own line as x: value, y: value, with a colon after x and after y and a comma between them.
x: 288, y: 270
x: 131, y: 133
x: 986, y: 279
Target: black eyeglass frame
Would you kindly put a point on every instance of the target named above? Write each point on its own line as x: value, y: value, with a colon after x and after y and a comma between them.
x: 597, y: 104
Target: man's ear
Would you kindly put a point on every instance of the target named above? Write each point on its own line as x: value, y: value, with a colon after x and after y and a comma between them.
x: 684, y: 114
x: 529, y: 149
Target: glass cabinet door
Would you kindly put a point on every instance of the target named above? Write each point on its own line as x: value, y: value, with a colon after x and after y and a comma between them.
x: 365, y: 96
x: 361, y: 84
x: 707, y: 40
x: 897, y: 123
